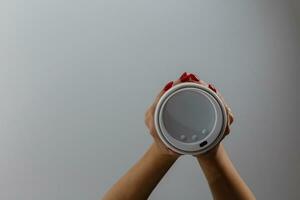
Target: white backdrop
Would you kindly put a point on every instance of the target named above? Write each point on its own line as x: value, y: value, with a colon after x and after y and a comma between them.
x: 77, y: 76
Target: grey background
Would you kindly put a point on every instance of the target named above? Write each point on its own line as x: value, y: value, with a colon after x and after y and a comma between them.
x: 77, y: 76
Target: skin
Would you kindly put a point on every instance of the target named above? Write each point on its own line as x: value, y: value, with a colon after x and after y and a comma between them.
x: 138, y: 183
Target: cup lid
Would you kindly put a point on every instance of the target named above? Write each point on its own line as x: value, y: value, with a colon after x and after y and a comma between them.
x: 190, y: 118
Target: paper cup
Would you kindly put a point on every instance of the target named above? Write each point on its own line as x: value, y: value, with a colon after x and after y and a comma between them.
x: 190, y: 118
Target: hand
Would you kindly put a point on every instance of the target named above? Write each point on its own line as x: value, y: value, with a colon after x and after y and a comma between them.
x: 230, y: 116
x: 149, y: 116
x: 149, y: 121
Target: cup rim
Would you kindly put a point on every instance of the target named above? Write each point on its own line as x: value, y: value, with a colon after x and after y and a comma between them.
x: 211, y: 139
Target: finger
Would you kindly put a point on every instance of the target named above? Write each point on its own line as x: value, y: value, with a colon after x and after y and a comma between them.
x: 195, y: 79
x: 177, y: 81
x: 157, y: 98
x: 210, y: 86
x: 166, y: 88
x: 228, y: 121
x: 230, y: 112
x: 190, y: 77
x: 223, y: 100
x: 229, y: 115
x: 227, y: 130
x: 215, y: 90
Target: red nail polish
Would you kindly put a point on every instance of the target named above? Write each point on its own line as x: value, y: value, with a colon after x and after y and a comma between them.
x: 168, y: 86
x: 212, y: 87
x: 194, y: 77
x: 184, y: 77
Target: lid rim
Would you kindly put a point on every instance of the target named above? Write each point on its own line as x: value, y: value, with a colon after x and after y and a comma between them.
x: 163, y: 135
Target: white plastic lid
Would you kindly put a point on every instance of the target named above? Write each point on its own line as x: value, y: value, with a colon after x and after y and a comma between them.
x: 190, y: 119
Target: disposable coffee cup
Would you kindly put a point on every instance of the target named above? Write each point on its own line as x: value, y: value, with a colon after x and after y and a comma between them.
x: 190, y: 118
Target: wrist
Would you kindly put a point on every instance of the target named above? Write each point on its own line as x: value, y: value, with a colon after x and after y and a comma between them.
x: 157, y: 152
x: 211, y: 154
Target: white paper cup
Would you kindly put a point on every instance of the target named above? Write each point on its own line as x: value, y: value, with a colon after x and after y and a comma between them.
x: 190, y: 118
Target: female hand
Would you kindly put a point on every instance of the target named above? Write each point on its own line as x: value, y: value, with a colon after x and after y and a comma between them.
x: 149, y: 116
x: 230, y: 116
x: 149, y: 121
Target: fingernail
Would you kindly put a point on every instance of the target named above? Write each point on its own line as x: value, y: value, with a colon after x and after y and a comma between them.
x: 194, y: 77
x: 210, y: 86
x: 168, y: 86
x: 184, y: 77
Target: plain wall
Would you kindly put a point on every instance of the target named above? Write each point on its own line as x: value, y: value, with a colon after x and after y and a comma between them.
x: 77, y: 76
